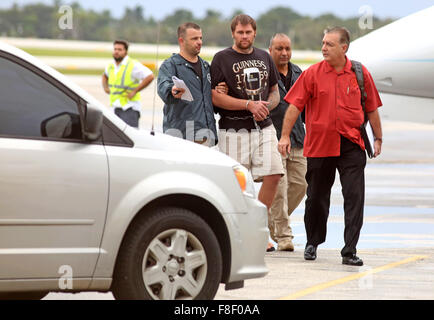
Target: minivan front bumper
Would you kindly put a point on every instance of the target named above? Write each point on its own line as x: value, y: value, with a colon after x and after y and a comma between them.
x: 249, y: 238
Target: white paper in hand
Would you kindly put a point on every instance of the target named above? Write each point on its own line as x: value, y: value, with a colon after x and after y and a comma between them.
x: 181, y: 84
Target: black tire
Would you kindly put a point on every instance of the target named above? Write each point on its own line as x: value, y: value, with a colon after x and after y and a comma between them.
x: 30, y: 295
x: 164, y: 244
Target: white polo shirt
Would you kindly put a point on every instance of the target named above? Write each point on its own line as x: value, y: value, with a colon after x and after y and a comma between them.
x: 139, y: 73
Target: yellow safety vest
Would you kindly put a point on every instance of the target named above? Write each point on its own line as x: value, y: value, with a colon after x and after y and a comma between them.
x: 121, y: 83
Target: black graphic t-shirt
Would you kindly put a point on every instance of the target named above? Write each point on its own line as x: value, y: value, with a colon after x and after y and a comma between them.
x: 240, y: 72
x: 197, y: 67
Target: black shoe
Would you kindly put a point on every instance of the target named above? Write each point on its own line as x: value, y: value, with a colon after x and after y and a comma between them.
x: 352, y: 261
x: 310, y: 252
x: 271, y: 249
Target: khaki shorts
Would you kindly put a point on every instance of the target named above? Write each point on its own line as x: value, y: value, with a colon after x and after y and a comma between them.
x: 256, y: 150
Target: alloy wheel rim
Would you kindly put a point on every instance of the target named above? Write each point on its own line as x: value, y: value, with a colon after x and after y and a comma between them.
x: 174, y: 266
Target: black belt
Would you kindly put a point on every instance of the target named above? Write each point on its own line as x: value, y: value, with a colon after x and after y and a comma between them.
x: 246, y: 122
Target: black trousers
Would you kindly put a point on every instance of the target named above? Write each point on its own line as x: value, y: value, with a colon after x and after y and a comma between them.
x: 320, y: 177
x: 130, y: 116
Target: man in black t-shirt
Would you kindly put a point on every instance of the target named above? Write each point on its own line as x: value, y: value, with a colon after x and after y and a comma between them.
x: 246, y: 131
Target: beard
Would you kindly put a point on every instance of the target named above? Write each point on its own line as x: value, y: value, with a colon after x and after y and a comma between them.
x: 118, y: 59
x: 244, y: 45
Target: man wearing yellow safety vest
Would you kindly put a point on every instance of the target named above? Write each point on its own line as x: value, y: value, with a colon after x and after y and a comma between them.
x: 123, y: 79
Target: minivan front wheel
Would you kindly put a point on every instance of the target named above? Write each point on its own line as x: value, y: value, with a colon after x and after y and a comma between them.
x: 168, y: 254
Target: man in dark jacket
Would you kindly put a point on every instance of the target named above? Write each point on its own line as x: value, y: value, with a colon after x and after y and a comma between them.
x: 292, y: 186
x: 192, y: 120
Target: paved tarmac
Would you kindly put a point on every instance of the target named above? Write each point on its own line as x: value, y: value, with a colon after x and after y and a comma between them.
x: 397, y: 239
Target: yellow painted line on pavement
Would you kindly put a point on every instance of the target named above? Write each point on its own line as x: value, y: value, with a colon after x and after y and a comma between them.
x: 356, y: 276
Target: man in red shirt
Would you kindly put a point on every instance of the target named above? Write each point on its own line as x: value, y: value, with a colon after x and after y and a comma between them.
x: 330, y: 95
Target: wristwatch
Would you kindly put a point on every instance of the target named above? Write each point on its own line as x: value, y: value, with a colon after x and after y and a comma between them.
x: 381, y: 139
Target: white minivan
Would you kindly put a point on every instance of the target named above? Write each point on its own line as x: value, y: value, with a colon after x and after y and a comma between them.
x: 88, y: 203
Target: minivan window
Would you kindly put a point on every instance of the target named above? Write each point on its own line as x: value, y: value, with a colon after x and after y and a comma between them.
x: 30, y: 106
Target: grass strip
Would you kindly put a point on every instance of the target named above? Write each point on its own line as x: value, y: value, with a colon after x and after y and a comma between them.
x: 144, y: 57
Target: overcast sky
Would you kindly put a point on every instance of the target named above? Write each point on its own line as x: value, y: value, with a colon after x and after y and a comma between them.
x: 161, y: 8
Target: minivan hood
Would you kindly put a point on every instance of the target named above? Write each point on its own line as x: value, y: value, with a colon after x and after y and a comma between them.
x: 180, y: 147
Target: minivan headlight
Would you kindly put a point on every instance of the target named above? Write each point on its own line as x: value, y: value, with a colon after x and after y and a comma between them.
x: 245, y: 180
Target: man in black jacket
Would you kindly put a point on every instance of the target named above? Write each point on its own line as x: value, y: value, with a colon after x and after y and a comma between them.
x: 192, y: 120
x: 292, y: 186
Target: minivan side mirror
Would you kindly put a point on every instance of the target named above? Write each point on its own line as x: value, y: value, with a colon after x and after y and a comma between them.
x: 64, y: 125
x: 93, y: 120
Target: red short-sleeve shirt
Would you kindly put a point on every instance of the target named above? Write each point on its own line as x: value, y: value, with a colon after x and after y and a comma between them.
x: 333, y: 107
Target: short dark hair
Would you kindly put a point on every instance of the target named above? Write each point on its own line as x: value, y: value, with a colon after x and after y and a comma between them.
x: 344, y: 34
x: 182, y: 29
x: 244, y: 20
x: 122, y: 42
x: 278, y: 35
